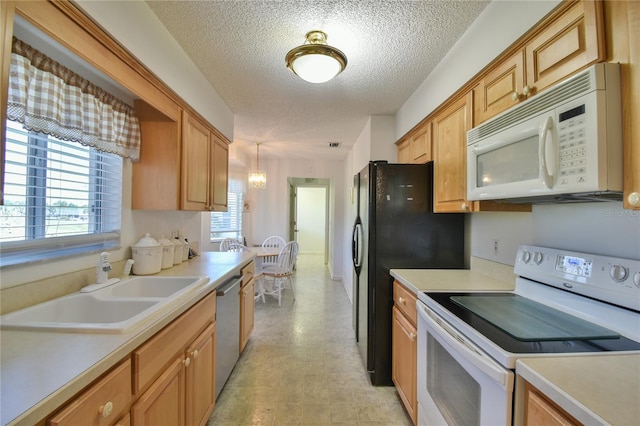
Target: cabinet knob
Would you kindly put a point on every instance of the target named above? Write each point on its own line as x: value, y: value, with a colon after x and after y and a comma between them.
x: 401, y: 300
x: 195, y: 354
x: 186, y: 361
x: 515, y: 96
x: 464, y: 206
x: 412, y: 336
x: 526, y: 90
x: 106, y: 409
x: 634, y: 198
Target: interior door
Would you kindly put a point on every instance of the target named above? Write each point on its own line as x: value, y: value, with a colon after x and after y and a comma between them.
x: 292, y: 212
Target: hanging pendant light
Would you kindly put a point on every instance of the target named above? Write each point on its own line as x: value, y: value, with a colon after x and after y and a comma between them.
x: 316, y: 61
x: 257, y: 178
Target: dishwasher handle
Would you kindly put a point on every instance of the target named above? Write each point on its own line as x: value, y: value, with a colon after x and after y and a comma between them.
x: 228, y: 286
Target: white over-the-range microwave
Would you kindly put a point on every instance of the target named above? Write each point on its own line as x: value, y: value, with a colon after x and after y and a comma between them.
x: 564, y: 144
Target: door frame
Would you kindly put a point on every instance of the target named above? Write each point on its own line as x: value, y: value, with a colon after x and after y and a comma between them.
x: 294, y: 184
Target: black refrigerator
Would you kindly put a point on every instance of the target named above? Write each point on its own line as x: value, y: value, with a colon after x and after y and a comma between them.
x: 395, y: 228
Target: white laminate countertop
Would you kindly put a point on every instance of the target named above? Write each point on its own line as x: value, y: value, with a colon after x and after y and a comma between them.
x: 41, y: 370
x: 598, y: 389
x: 419, y: 280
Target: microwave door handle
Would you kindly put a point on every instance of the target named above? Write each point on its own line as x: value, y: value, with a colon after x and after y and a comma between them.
x: 546, y: 152
x: 455, y: 340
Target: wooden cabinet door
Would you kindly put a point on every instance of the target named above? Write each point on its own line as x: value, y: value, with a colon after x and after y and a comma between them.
x: 404, y: 361
x: 164, y: 402
x: 450, y: 156
x: 495, y: 92
x: 567, y: 44
x: 201, y: 381
x: 540, y: 411
x: 404, y: 152
x: 196, y: 145
x: 420, y: 146
x: 247, y: 312
x: 219, y: 174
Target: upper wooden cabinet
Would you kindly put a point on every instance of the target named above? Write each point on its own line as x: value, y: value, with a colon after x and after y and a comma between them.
x: 416, y: 147
x: 450, y: 128
x: 219, y: 182
x: 499, y: 88
x: 570, y: 40
x: 183, y: 165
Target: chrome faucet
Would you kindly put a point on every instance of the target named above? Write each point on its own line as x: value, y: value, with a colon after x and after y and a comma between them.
x: 102, y: 268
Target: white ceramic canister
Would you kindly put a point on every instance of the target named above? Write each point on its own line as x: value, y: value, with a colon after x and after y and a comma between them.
x: 177, y: 253
x: 185, y: 249
x: 147, y: 256
x: 168, y: 249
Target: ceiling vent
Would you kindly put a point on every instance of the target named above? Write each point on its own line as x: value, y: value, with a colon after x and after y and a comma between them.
x: 334, y: 144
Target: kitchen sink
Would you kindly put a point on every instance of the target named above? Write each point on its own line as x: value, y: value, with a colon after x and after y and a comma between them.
x: 154, y: 287
x: 113, y: 309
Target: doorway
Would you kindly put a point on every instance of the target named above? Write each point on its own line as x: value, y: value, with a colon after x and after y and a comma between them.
x: 308, y: 215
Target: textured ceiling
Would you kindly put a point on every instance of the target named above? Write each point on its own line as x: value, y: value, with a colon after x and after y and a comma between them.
x: 391, y: 47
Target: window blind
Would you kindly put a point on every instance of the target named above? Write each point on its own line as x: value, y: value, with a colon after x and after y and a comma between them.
x: 58, y: 196
x: 228, y: 224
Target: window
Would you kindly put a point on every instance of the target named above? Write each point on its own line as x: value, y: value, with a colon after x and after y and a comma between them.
x: 229, y: 224
x: 60, y: 197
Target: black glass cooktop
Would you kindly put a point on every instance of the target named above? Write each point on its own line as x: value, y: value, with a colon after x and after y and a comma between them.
x: 519, y: 325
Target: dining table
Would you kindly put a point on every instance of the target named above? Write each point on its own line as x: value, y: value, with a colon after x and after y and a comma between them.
x: 263, y: 255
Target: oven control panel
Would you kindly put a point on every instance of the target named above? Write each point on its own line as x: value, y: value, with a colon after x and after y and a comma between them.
x: 610, y: 279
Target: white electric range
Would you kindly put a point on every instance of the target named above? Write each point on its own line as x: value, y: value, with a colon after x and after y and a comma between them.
x: 564, y: 303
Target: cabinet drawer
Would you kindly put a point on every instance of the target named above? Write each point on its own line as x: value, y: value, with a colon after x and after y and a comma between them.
x: 102, y: 403
x: 150, y: 358
x: 405, y: 301
x: 247, y: 273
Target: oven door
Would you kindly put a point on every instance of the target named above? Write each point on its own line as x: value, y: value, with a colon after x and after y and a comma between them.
x: 458, y: 384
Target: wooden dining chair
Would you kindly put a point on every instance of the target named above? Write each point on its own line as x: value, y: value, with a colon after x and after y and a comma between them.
x: 274, y: 278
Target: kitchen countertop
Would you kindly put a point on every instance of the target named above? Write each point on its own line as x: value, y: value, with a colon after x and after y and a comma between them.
x: 41, y: 370
x: 436, y: 280
x: 599, y: 389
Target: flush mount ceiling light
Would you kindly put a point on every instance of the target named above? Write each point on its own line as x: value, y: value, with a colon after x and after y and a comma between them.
x: 316, y: 61
x: 257, y: 178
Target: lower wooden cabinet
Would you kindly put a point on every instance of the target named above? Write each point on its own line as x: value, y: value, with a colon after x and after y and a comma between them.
x: 539, y: 410
x: 247, y: 304
x: 185, y: 393
x: 102, y: 403
x: 404, y: 348
x: 247, y: 312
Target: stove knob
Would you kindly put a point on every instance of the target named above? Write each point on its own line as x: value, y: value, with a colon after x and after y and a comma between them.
x: 636, y: 279
x: 526, y: 256
x: 618, y: 273
x: 538, y: 257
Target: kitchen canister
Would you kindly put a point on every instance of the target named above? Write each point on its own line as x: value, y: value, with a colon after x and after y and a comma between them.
x: 147, y: 256
x: 168, y: 249
x: 177, y: 251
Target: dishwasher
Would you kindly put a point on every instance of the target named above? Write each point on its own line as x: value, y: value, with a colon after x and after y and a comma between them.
x: 227, y: 330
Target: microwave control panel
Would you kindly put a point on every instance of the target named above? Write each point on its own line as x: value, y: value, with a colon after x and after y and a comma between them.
x: 572, y: 146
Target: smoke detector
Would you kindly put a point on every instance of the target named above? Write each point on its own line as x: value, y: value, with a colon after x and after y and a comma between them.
x: 334, y: 144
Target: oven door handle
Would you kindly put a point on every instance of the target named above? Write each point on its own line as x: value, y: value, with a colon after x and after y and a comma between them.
x: 468, y: 350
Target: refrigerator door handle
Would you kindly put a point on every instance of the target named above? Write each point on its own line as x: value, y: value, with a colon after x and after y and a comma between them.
x: 355, y: 245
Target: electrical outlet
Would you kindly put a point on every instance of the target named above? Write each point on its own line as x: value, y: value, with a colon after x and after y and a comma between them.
x: 496, y: 247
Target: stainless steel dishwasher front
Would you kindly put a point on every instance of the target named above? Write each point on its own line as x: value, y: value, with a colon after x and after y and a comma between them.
x: 227, y: 330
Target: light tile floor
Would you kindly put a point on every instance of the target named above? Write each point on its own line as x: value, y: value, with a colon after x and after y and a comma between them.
x: 302, y: 366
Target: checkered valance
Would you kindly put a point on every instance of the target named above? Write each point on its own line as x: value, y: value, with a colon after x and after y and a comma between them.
x: 49, y: 98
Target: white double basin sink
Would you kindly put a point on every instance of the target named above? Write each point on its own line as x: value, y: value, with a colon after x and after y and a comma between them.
x: 116, y: 308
